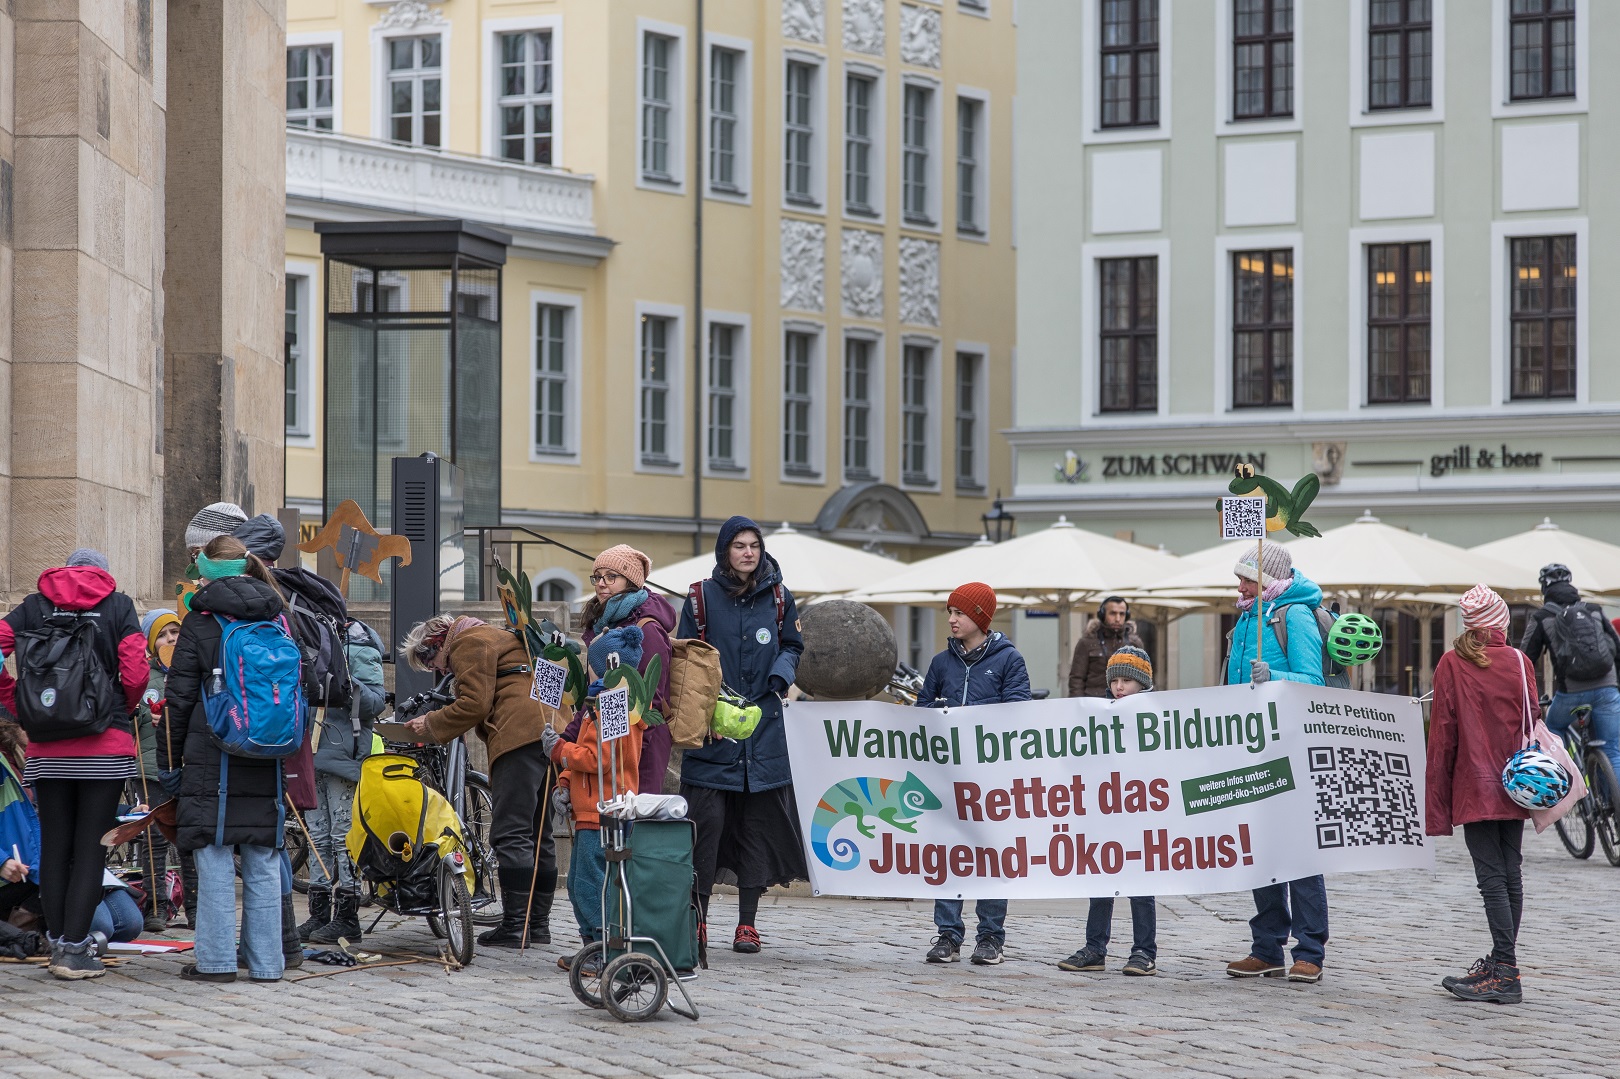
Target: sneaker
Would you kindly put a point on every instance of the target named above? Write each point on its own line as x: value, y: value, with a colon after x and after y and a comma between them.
x: 1140, y: 965
x: 191, y: 974
x: 746, y: 940
x: 72, y: 962
x: 1500, y: 986
x: 986, y: 953
x: 945, y: 950
x: 1087, y: 958
x: 1304, y: 972
x: 1478, y: 972
x: 1250, y: 967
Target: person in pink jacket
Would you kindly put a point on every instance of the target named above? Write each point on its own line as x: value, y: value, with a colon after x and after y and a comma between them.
x: 1477, y: 722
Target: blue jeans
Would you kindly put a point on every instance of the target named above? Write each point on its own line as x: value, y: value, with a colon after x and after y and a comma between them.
x: 261, y: 910
x: 1605, y: 702
x: 992, y: 919
x: 587, y: 875
x: 1308, y: 922
x: 117, y: 917
x: 1144, y: 924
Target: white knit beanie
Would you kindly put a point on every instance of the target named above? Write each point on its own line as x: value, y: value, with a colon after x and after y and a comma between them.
x: 218, y: 519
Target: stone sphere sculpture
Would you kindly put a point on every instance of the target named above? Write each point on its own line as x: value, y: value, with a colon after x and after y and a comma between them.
x: 849, y: 651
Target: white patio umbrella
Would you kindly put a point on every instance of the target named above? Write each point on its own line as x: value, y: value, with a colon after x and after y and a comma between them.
x: 1594, y: 565
x: 1058, y: 566
x: 811, y: 567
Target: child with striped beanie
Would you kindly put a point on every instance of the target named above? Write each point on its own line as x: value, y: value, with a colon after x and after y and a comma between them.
x: 1130, y: 670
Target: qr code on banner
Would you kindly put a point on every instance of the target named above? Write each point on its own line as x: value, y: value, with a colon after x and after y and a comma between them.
x: 1364, y: 798
x: 1243, y: 518
x: 549, y: 680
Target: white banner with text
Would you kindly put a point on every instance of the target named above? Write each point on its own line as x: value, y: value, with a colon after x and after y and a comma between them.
x: 1182, y: 792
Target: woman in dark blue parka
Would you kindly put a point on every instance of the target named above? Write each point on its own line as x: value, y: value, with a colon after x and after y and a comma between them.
x: 740, y: 794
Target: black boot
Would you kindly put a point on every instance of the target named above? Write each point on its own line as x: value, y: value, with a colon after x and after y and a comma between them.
x: 540, y: 917
x: 292, y: 949
x: 320, y: 910
x: 345, y: 921
x: 509, y: 934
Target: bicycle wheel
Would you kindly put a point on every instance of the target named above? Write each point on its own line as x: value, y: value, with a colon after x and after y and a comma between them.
x: 1575, y: 829
x: 298, y: 854
x: 456, y: 908
x: 634, y: 987
x: 1606, y: 796
x: 486, y: 896
x: 587, y: 988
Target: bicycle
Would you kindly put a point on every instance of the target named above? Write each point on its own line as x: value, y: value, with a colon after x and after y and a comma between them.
x: 1593, y: 817
x: 445, y: 769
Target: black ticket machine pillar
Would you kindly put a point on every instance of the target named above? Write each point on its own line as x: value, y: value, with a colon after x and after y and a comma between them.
x: 430, y: 511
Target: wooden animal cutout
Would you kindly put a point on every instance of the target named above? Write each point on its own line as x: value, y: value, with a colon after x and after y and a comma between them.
x: 1284, y: 509
x: 356, y: 545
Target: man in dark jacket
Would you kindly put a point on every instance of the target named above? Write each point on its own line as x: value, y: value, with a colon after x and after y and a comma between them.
x: 740, y: 794
x: 1600, y: 690
x: 1109, y: 631
x: 977, y: 667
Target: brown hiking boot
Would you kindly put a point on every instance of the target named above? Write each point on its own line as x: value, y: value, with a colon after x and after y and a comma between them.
x: 1250, y: 967
x: 1500, y: 986
x: 1304, y: 972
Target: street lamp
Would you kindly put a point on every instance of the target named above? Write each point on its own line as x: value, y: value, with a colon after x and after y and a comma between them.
x: 998, y: 523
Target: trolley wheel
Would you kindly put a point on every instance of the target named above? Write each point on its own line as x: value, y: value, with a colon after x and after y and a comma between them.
x: 480, y: 807
x: 634, y: 987
x: 1575, y: 829
x: 456, y: 906
x: 587, y: 987
x: 1606, y: 797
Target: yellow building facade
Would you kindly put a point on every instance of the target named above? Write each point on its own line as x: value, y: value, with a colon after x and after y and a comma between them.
x: 761, y: 265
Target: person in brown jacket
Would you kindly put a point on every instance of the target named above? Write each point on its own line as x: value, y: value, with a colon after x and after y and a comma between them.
x: 1482, y: 691
x: 1106, y: 633
x: 493, y: 679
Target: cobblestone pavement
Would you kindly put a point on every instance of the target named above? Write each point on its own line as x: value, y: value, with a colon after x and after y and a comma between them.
x: 840, y: 990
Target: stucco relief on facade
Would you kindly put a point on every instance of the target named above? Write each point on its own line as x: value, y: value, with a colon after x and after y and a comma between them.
x: 919, y: 281
x: 919, y: 35
x: 410, y: 14
x: 804, y: 265
x: 863, y: 26
x: 803, y: 20
x: 861, y: 264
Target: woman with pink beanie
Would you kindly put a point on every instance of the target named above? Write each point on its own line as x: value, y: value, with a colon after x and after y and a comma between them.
x: 1481, y: 692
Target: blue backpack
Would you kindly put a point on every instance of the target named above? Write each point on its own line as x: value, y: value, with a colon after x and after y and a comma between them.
x: 255, y: 706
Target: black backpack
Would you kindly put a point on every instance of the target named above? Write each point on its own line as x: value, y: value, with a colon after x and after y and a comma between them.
x: 1334, y: 674
x: 1580, y: 641
x: 63, y: 687
x: 316, y: 613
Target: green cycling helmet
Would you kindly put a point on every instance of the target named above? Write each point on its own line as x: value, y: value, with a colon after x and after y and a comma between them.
x: 1353, y: 639
x: 734, y: 718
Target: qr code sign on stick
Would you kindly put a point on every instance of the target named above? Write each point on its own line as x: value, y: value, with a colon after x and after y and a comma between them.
x: 549, y: 680
x: 1364, y: 798
x: 613, y: 712
x: 1243, y: 518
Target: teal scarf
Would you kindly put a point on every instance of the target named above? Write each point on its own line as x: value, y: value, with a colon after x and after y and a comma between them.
x: 620, y: 607
x: 211, y: 570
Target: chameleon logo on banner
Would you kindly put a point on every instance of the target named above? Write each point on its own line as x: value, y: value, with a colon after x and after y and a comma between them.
x: 894, y: 802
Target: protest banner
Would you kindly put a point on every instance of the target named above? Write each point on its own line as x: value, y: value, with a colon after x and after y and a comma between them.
x: 1183, y: 792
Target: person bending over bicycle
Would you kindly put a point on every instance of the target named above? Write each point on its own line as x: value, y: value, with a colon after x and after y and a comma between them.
x: 492, y: 679
x: 1584, y: 646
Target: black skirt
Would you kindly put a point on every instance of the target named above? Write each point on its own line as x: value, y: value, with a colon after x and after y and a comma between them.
x: 750, y: 839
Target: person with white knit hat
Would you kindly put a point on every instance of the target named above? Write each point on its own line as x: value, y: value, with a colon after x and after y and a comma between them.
x: 1482, y: 691
x: 213, y: 520
x: 1272, y: 592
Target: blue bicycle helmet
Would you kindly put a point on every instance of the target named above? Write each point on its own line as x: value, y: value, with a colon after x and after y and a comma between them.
x: 1534, y: 780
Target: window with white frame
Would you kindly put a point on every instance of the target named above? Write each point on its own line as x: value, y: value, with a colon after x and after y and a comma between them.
x: 525, y: 96
x: 552, y: 393
x: 916, y: 388
x: 1262, y: 59
x: 724, y: 413
x: 798, y: 403
x: 658, y: 98
x: 860, y: 385
x: 309, y: 87
x: 1542, y: 317
x: 916, y: 153
x: 726, y: 100
x: 1128, y: 334
x: 657, y: 436
x: 861, y: 108
x: 1129, y: 49
x: 1263, y: 328
x: 1541, y: 49
x: 296, y: 354
x: 969, y: 383
x: 415, y: 88
x: 799, y: 132
x: 970, y: 158
x: 1400, y: 54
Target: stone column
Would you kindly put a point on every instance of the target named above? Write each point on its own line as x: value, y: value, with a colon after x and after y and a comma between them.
x: 85, y: 215
x: 226, y: 194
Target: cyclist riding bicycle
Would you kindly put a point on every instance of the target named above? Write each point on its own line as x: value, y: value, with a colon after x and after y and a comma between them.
x: 1584, y: 646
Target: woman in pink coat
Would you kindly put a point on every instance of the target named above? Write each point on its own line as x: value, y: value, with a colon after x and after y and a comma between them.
x: 1481, y: 691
